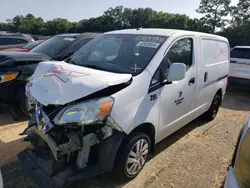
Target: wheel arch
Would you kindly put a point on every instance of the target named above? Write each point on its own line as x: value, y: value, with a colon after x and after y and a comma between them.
x: 220, y: 93
x: 149, y: 129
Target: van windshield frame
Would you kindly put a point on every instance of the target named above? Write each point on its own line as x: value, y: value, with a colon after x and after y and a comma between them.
x: 119, y: 53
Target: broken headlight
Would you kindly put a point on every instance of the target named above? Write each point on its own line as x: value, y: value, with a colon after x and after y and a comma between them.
x: 242, y: 162
x: 85, y: 113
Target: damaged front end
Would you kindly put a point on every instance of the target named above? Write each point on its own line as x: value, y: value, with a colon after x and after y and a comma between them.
x: 71, y: 142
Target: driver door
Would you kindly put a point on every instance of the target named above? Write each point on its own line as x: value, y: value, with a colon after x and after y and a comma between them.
x: 178, y: 98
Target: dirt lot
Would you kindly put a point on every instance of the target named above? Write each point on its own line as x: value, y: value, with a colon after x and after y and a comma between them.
x: 195, y: 156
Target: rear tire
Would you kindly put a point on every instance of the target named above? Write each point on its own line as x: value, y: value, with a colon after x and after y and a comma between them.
x: 133, y: 156
x: 214, y: 108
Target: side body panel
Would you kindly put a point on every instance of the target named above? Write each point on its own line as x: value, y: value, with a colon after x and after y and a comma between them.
x: 213, y: 71
x: 133, y: 105
x: 177, y: 99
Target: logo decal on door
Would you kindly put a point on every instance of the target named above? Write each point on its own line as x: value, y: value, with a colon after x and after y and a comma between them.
x: 180, y: 94
x: 180, y: 98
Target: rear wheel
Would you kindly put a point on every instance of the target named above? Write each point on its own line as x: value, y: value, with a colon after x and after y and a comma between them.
x: 133, y: 156
x: 214, y: 108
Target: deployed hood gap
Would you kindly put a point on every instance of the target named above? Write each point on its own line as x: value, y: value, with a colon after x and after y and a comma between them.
x: 105, y: 92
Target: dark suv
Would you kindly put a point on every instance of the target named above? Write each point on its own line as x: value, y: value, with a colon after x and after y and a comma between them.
x: 60, y: 47
x: 17, y: 67
x: 13, y: 40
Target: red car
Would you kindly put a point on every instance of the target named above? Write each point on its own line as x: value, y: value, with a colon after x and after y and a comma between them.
x: 25, y: 48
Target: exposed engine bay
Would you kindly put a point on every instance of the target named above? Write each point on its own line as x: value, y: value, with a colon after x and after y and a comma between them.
x: 72, y: 147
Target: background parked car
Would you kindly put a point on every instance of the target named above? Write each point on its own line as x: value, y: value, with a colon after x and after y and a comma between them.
x: 239, y: 171
x: 240, y: 65
x: 12, y: 40
x: 17, y: 67
x: 40, y: 37
x: 60, y: 47
x: 25, y: 48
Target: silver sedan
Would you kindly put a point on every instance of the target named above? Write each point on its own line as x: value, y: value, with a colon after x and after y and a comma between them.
x: 239, y: 172
x: 1, y: 180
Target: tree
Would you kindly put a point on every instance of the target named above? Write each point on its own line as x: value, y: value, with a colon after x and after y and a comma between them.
x: 141, y: 17
x: 112, y: 19
x: 57, y: 26
x: 214, y: 12
x: 241, y: 13
x: 115, y: 18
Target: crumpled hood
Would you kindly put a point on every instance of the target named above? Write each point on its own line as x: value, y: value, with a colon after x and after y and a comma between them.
x: 60, y: 83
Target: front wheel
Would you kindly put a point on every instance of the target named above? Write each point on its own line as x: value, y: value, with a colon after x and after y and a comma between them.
x: 26, y: 105
x: 214, y: 108
x: 133, y: 156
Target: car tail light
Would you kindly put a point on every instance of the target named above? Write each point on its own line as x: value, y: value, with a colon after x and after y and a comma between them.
x: 227, y: 79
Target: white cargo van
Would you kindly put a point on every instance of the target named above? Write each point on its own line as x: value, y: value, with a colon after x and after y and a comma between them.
x: 107, y: 106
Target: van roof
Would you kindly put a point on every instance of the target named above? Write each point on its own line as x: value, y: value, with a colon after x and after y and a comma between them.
x: 242, y: 47
x: 163, y: 32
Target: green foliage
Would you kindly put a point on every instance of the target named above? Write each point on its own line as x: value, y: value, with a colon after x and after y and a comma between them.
x: 238, y: 31
x: 214, y: 12
x: 112, y: 19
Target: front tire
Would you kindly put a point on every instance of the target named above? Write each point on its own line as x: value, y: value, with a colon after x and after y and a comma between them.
x: 214, y: 108
x: 133, y: 156
x: 26, y: 105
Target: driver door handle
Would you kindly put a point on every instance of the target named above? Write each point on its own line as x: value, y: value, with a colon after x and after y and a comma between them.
x: 191, y: 81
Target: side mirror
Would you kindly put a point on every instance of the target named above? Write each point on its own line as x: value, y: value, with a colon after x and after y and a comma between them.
x: 176, y: 72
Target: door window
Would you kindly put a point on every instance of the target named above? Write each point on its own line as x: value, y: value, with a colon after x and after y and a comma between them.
x: 180, y: 52
x: 79, y: 44
x: 6, y: 41
x: 156, y: 78
x: 20, y: 41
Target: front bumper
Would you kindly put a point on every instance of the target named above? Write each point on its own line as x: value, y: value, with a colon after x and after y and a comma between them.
x: 10, y: 92
x: 231, y: 180
x: 41, y: 170
x: 37, y: 168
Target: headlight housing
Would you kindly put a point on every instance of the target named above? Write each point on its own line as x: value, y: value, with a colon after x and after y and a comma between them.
x: 8, y: 77
x: 85, y: 113
x: 242, y: 162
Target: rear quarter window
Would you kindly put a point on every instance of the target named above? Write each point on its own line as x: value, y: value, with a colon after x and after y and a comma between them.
x: 243, y: 53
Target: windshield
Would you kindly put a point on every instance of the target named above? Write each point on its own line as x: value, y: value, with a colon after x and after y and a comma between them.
x: 30, y: 45
x: 243, y: 53
x: 54, y: 46
x: 121, y: 53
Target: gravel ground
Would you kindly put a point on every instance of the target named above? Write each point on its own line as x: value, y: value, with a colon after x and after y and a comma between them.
x: 195, y: 156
